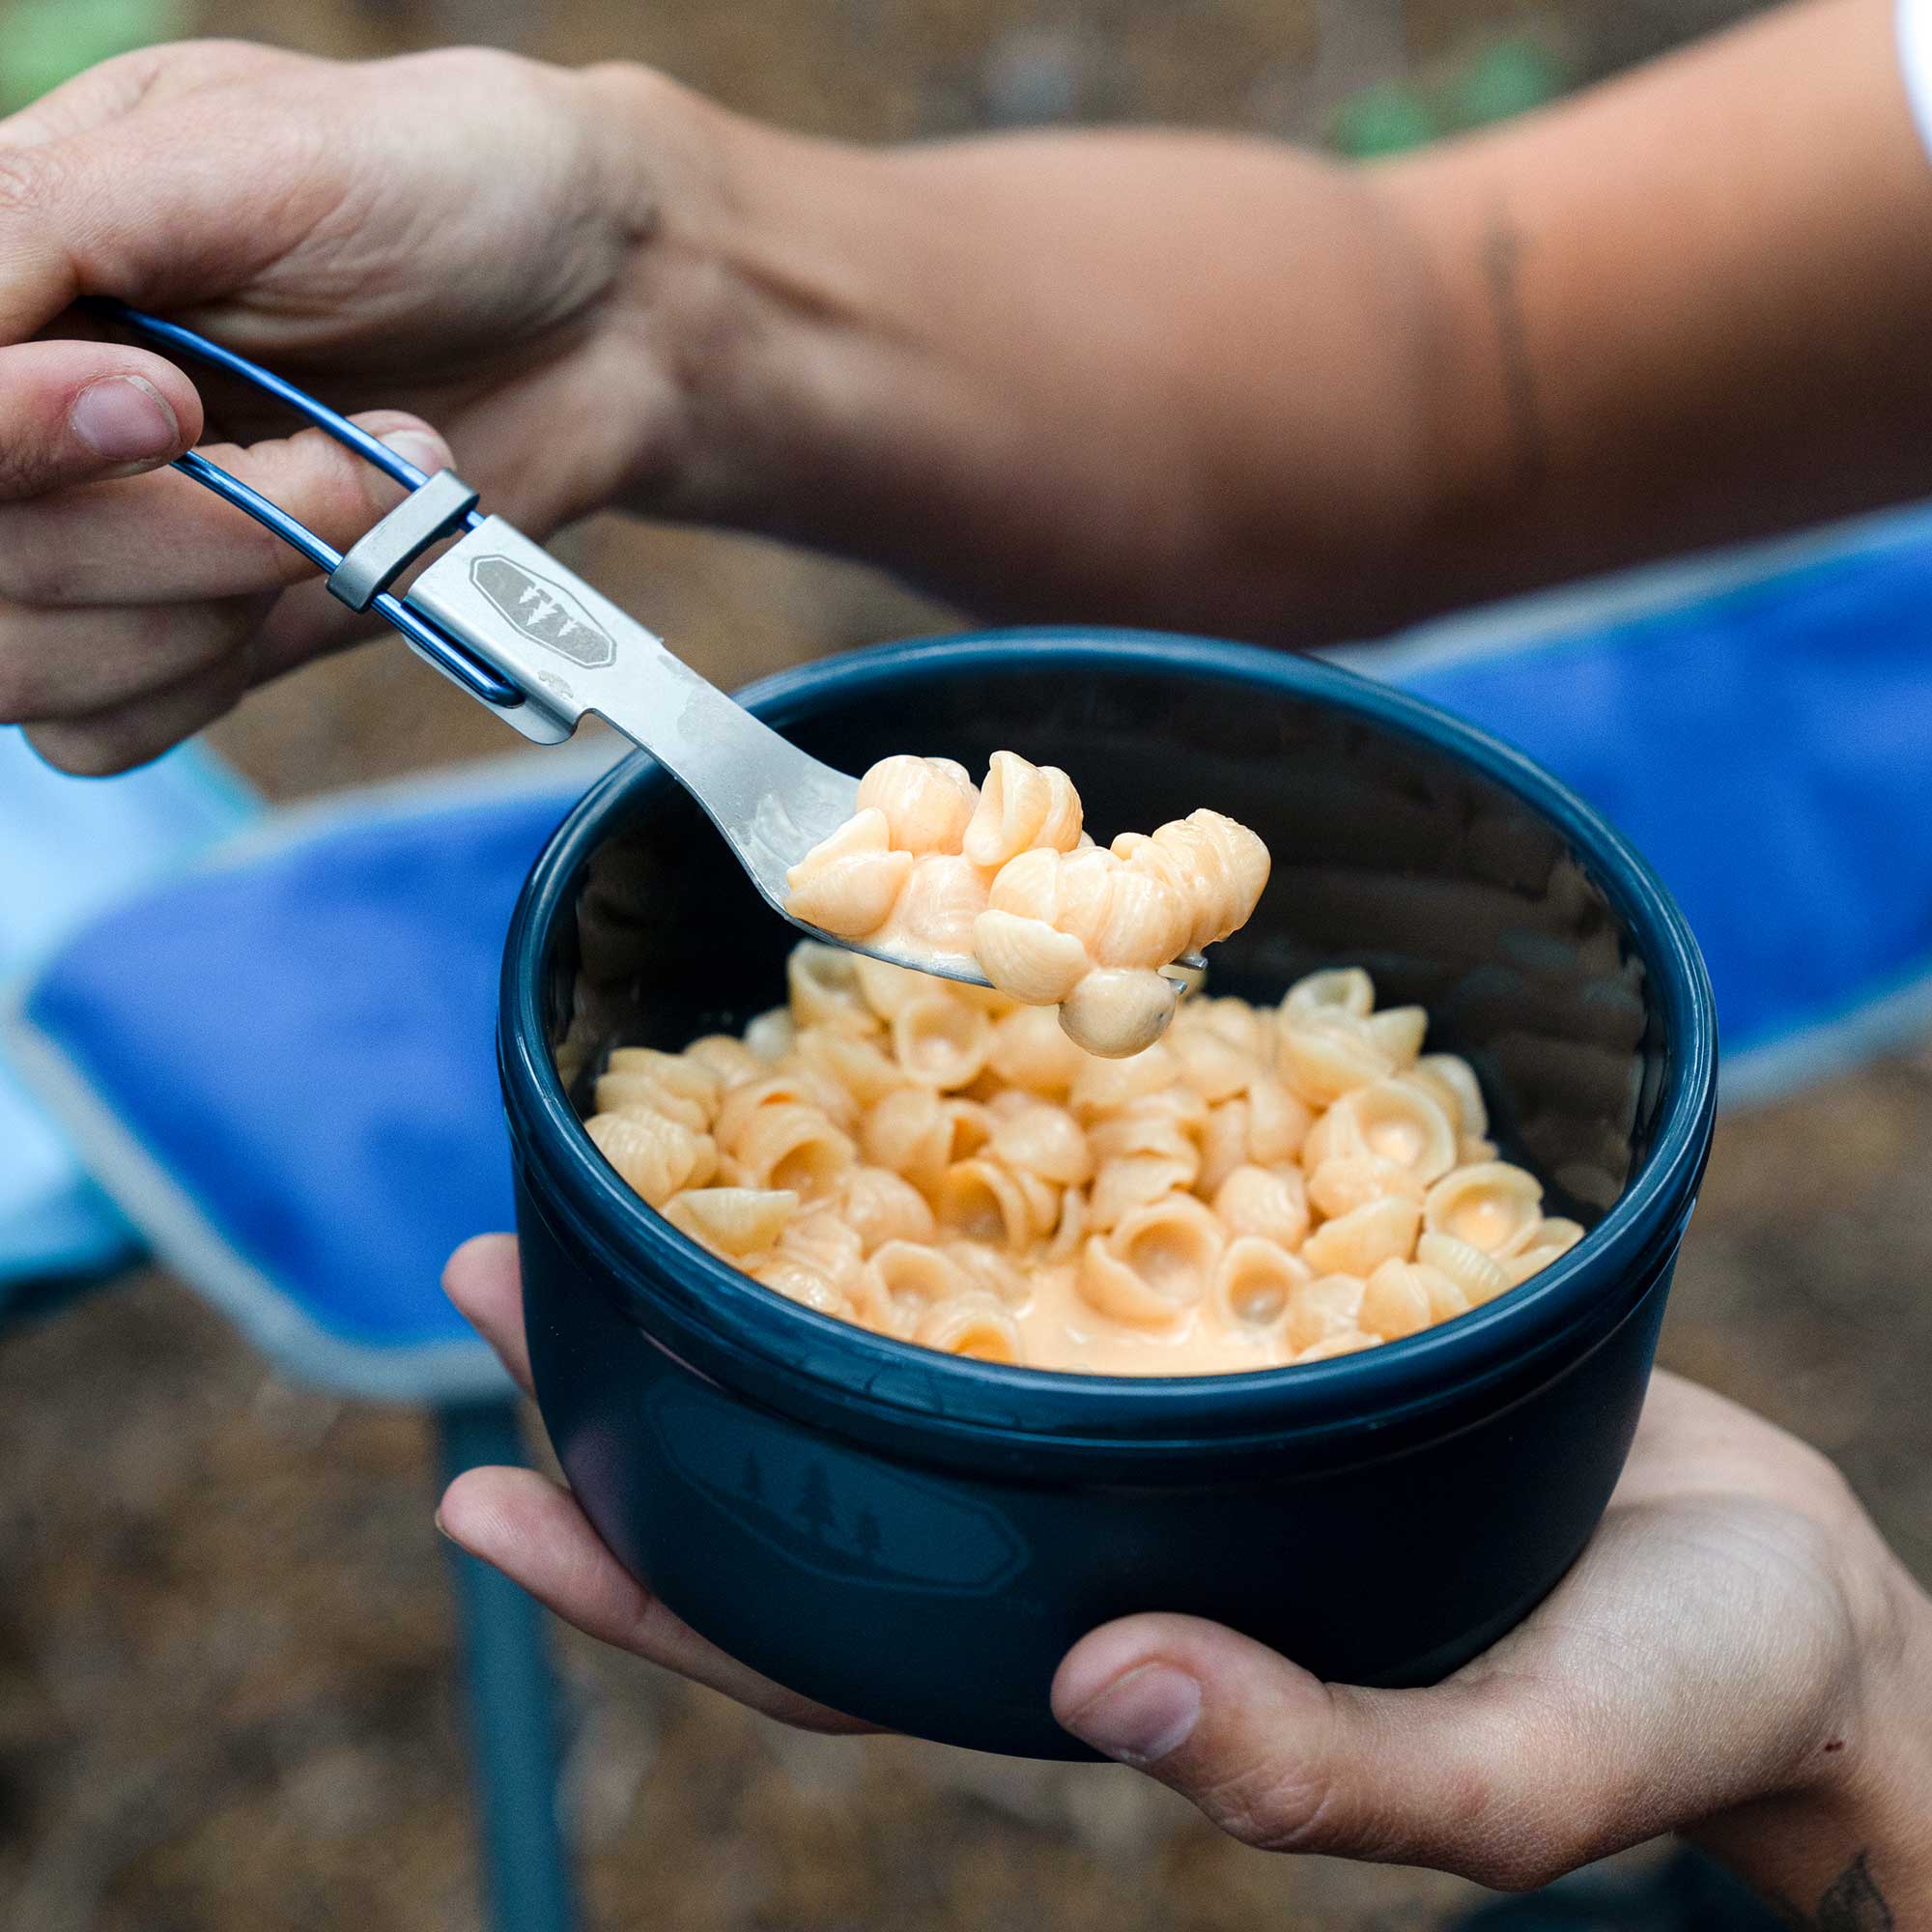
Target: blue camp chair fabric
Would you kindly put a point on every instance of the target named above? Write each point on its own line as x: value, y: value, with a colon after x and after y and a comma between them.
x: 68, y: 848
x: 1760, y: 726
x: 281, y: 1067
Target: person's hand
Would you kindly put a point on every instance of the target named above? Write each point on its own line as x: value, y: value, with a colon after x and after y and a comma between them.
x: 460, y: 239
x: 1737, y: 1650
x: 534, y: 1531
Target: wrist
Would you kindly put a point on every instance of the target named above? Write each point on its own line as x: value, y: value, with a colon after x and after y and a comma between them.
x: 1848, y: 1836
x: 738, y: 238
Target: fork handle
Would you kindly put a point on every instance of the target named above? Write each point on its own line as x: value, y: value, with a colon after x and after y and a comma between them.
x: 570, y: 650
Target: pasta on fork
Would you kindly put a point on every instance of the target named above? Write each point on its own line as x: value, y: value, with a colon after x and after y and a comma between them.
x: 1007, y: 874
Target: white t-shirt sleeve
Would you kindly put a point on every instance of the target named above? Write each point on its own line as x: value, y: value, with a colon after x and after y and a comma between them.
x: 1914, y: 60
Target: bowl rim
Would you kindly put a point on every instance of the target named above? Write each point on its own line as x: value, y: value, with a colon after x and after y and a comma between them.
x: 857, y: 1366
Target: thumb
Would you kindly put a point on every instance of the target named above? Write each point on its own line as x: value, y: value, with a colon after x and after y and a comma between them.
x: 1446, y: 1778
x: 79, y: 412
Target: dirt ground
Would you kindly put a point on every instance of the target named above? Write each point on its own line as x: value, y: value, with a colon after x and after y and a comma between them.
x: 226, y: 1669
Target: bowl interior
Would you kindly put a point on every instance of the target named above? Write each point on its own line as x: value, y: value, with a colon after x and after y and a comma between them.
x: 1401, y: 844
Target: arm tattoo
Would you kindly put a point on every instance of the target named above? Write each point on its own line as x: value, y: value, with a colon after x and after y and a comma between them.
x: 1852, y: 1903
x: 1502, y: 255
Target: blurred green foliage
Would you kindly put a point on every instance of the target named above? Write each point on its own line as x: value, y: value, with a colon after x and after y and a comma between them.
x: 1383, y: 120
x: 1507, y: 76
x: 43, y: 43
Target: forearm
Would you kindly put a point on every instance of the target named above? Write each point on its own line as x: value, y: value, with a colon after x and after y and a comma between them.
x: 1690, y: 307
x: 1138, y: 377
x: 1216, y: 383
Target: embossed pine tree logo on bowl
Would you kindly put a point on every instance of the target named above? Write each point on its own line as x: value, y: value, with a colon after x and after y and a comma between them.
x: 842, y: 1515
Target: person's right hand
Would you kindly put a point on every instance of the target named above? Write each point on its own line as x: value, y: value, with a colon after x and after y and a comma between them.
x: 464, y: 239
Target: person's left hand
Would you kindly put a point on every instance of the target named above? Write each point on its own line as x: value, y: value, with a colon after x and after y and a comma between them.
x: 533, y: 1530
x: 1733, y: 1624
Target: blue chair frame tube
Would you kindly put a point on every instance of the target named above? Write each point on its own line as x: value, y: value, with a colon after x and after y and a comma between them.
x: 513, y: 1715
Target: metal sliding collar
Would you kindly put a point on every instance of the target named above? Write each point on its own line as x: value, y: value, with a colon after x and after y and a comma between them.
x: 424, y: 517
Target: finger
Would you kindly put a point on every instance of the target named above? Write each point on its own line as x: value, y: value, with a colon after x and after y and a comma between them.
x: 307, y: 623
x: 166, y: 539
x: 535, y: 1534
x: 78, y: 412
x: 100, y: 193
x: 123, y: 736
x: 68, y: 665
x: 1457, y: 1779
x: 484, y: 1279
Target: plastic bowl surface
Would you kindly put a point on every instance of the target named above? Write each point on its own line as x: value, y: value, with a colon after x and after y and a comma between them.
x: 917, y: 1539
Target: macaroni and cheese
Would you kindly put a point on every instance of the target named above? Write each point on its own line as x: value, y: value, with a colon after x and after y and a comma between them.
x: 1006, y: 874
x: 942, y: 1163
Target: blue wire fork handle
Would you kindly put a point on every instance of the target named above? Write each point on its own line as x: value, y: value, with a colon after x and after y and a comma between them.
x: 445, y: 652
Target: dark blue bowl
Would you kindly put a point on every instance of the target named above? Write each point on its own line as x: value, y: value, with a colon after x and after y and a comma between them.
x: 917, y: 1539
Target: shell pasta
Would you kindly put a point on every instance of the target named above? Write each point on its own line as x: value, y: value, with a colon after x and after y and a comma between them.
x: 941, y: 1163
x: 1007, y: 874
